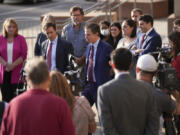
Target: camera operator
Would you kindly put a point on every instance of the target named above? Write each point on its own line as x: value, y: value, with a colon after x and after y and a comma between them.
x: 174, y: 41
x: 145, y: 70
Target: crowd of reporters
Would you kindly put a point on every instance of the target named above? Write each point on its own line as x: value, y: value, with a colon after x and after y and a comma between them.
x: 116, y: 68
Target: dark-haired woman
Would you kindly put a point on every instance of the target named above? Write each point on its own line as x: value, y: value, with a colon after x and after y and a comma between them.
x: 115, y: 34
x: 129, y: 40
x: 129, y: 33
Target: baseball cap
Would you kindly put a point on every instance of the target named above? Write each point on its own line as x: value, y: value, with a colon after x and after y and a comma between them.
x: 147, y: 63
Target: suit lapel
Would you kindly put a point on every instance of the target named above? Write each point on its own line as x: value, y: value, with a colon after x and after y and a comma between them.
x: 98, y: 51
x: 148, y: 37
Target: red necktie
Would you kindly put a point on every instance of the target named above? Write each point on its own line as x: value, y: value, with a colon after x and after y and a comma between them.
x: 142, y: 41
x: 49, y: 54
x: 90, y: 65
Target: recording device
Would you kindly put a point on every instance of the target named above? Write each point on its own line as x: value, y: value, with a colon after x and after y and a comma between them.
x: 22, y: 84
x: 74, y: 76
x: 166, y: 74
x: 166, y: 80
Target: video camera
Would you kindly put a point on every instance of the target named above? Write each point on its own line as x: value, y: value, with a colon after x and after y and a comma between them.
x: 166, y: 74
x: 22, y: 87
x: 74, y: 76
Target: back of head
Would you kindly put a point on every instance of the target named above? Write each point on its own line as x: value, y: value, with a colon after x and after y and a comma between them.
x: 60, y: 87
x: 122, y: 59
x: 37, y: 70
x: 147, y: 63
x: 146, y: 19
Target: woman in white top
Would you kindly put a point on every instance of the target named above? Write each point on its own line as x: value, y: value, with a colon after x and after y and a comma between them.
x: 13, y: 52
x: 129, y: 34
x: 128, y: 41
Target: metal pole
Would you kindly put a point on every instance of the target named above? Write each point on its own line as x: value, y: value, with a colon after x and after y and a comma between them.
x: 119, y: 13
x: 151, y: 7
x: 134, y: 3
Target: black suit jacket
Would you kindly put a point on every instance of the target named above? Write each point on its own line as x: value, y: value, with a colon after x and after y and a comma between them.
x: 63, y: 50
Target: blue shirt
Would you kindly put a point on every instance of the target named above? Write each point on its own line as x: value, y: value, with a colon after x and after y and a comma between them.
x: 76, y: 38
x: 53, y: 56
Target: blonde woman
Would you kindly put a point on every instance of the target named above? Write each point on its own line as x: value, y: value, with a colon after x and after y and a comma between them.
x: 13, y: 52
x: 82, y: 114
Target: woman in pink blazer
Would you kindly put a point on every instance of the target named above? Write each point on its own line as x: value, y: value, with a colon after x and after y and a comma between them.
x: 13, y: 52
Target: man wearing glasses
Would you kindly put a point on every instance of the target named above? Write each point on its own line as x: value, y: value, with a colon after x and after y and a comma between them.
x: 74, y: 33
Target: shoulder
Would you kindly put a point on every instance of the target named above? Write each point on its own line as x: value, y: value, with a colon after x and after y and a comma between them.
x: 105, y: 45
x: 63, y: 42
x: 67, y: 26
x: 106, y: 87
x: 154, y: 34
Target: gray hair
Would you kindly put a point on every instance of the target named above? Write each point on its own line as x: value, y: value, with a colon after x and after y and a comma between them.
x: 37, y: 70
x: 48, y: 19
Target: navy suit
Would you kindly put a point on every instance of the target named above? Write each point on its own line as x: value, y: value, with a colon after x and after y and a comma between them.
x: 151, y: 42
x: 63, y: 50
x: 101, y: 70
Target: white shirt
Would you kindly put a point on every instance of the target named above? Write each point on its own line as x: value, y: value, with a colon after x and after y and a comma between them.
x: 94, y: 57
x: 10, y: 52
x: 120, y: 73
x: 53, y: 55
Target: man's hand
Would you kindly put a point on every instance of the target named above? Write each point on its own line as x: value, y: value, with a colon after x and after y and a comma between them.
x: 138, y: 51
x: 9, y: 67
x: 80, y: 61
x: 133, y: 47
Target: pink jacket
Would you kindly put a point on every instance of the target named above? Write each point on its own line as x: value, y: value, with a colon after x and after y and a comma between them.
x: 19, y: 49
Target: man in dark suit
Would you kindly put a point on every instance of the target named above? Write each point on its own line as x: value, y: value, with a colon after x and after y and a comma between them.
x: 55, y: 50
x: 126, y: 106
x: 97, y: 69
x: 149, y: 40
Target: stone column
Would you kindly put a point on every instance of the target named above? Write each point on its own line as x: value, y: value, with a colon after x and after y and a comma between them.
x: 176, y: 7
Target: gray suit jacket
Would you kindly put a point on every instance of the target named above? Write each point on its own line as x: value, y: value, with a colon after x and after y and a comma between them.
x: 127, y: 107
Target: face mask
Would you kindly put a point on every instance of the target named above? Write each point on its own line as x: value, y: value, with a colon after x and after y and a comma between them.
x: 105, y: 32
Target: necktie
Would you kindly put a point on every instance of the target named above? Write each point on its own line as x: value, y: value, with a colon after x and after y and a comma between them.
x: 90, y: 65
x: 49, y: 54
x: 142, y: 41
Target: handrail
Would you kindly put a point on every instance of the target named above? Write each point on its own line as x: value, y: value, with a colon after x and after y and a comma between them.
x: 99, y: 6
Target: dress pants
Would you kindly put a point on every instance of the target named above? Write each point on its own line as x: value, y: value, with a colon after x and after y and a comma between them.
x: 90, y: 92
x: 8, y: 90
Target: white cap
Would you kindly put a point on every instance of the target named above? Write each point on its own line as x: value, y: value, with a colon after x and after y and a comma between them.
x: 147, y: 63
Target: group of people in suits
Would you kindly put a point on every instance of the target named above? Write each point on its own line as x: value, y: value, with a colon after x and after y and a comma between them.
x: 125, y: 105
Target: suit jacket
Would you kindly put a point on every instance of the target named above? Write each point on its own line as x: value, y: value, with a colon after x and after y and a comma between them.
x: 63, y: 50
x: 102, y: 68
x: 19, y: 50
x: 127, y: 107
x: 42, y: 112
x: 151, y: 42
x: 40, y: 38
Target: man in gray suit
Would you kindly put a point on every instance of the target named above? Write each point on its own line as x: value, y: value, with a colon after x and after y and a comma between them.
x: 126, y: 106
